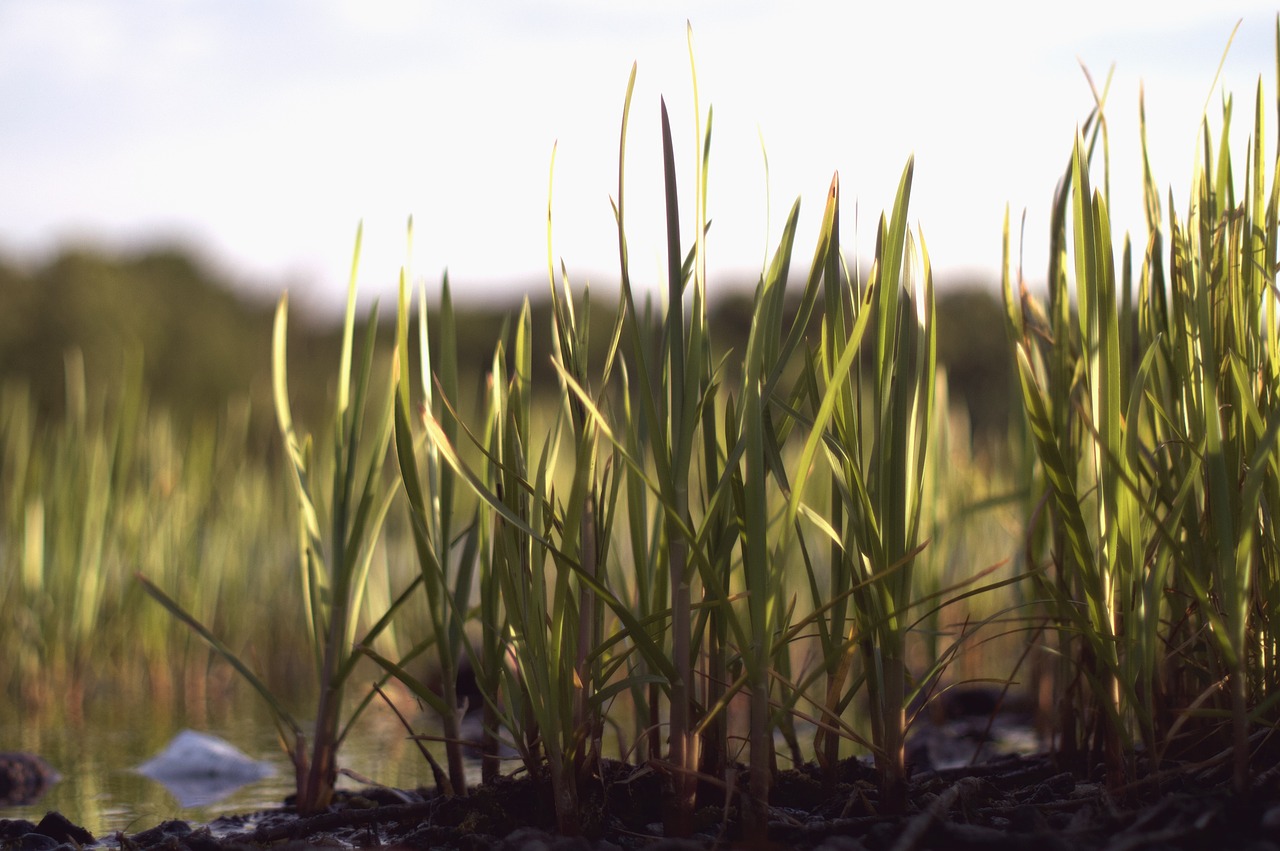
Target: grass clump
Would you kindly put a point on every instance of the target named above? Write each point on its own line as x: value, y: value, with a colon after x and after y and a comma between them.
x: 1152, y: 411
x: 337, y: 529
x: 713, y: 483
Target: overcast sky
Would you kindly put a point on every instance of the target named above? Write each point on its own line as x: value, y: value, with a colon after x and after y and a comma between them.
x: 262, y: 132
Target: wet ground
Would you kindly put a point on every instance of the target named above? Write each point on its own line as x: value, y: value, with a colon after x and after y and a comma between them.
x: 100, y: 787
x: 978, y: 782
x: 1015, y: 802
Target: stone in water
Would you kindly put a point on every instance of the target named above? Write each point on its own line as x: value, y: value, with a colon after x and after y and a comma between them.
x: 199, y: 768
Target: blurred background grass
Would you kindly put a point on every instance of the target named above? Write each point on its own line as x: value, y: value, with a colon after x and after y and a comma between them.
x: 204, y: 342
x: 137, y: 434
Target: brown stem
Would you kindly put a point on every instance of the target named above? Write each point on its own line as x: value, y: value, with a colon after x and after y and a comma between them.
x: 316, y: 793
x: 682, y: 785
x: 893, y: 771
x: 586, y: 721
x: 653, y: 731
x: 452, y: 727
x: 1240, y: 728
x: 757, y: 814
x: 490, y: 764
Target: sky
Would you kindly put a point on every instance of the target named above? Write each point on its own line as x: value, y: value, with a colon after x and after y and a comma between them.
x: 261, y: 132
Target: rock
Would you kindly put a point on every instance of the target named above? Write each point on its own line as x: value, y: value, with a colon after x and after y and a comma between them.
x: 172, y: 829
x: 24, y: 778
x: 199, y: 768
x: 61, y: 829
x: 34, y: 842
x: 11, y: 829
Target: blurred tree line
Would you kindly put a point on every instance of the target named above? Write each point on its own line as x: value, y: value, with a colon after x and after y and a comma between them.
x: 199, y: 345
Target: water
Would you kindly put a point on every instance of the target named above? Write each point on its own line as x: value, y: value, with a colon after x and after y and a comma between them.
x: 100, y: 791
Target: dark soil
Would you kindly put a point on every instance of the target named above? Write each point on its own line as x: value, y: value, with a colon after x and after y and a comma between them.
x: 1010, y: 803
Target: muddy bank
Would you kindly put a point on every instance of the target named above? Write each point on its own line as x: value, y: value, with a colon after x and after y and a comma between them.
x: 1010, y: 803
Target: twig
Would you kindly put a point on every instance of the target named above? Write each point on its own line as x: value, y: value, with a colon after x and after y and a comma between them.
x: 443, y: 785
x: 916, y: 829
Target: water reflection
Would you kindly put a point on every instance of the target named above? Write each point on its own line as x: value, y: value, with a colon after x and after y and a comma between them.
x: 201, y: 769
x: 100, y: 788
x: 24, y: 778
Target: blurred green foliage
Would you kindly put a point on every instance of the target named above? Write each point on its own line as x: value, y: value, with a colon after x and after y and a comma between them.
x: 197, y: 344
x: 201, y: 342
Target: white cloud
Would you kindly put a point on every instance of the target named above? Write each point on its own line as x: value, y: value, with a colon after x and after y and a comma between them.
x: 379, y: 17
x: 78, y: 39
x: 271, y: 129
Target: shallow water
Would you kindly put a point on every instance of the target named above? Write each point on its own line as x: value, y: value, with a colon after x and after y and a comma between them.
x: 99, y: 790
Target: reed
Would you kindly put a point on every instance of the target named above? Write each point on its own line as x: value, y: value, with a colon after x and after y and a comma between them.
x: 1153, y: 420
x: 116, y: 486
x: 431, y: 488
x: 334, y: 562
